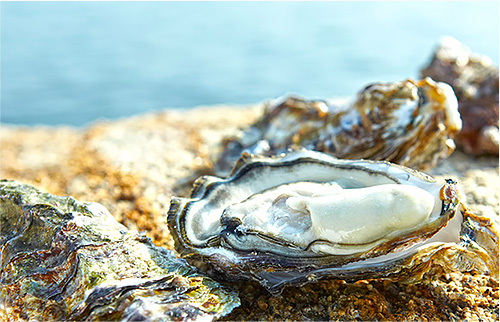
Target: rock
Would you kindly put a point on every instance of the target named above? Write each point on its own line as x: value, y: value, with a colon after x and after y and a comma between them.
x: 62, y: 259
x: 475, y: 82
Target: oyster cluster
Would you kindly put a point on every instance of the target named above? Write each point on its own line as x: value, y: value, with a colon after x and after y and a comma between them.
x: 298, y: 217
x: 289, y: 212
x: 411, y: 123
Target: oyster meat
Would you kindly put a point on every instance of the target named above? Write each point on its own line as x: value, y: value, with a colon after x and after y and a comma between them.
x: 474, y: 79
x: 411, y: 123
x: 62, y: 259
x: 306, y: 215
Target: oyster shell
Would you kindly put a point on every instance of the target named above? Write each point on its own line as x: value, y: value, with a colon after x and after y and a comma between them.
x: 66, y: 260
x: 475, y: 81
x: 306, y: 215
x: 411, y: 123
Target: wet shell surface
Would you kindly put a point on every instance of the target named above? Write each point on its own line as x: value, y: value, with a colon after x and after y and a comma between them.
x: 411, y: 123
x: 302, y: 216
x: 65, y: 260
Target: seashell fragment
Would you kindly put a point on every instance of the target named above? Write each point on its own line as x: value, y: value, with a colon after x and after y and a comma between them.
x: 299, y: 217
x: 66, y: 260
x: 411, y: 123
x: 474, y: 79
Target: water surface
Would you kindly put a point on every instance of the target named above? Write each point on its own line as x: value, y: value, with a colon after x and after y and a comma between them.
x: 75, y: 62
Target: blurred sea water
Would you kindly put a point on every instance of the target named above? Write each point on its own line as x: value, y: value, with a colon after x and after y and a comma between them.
x: 75, y: 62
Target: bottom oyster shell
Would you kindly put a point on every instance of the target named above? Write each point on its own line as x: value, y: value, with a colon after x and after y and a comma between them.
x: 306, y: 215
x: 66, y: 260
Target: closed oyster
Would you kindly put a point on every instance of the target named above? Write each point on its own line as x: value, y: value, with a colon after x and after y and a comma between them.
x: 306, y: 215
x: 411, y: 123
x: 475, y: 81
x: 62, y: 259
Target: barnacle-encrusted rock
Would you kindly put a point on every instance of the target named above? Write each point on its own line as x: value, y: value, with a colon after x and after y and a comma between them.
x: 475, y: 81
x: 299, y: 217
x: 411, y: 123
x: 62, y: 259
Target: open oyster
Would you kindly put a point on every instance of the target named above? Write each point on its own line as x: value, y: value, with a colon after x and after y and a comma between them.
x: 411, y: 123
x: 306, y: 215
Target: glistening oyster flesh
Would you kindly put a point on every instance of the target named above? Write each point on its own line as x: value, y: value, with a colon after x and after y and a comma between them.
x: 305, y: 215
x: 411, y: 123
